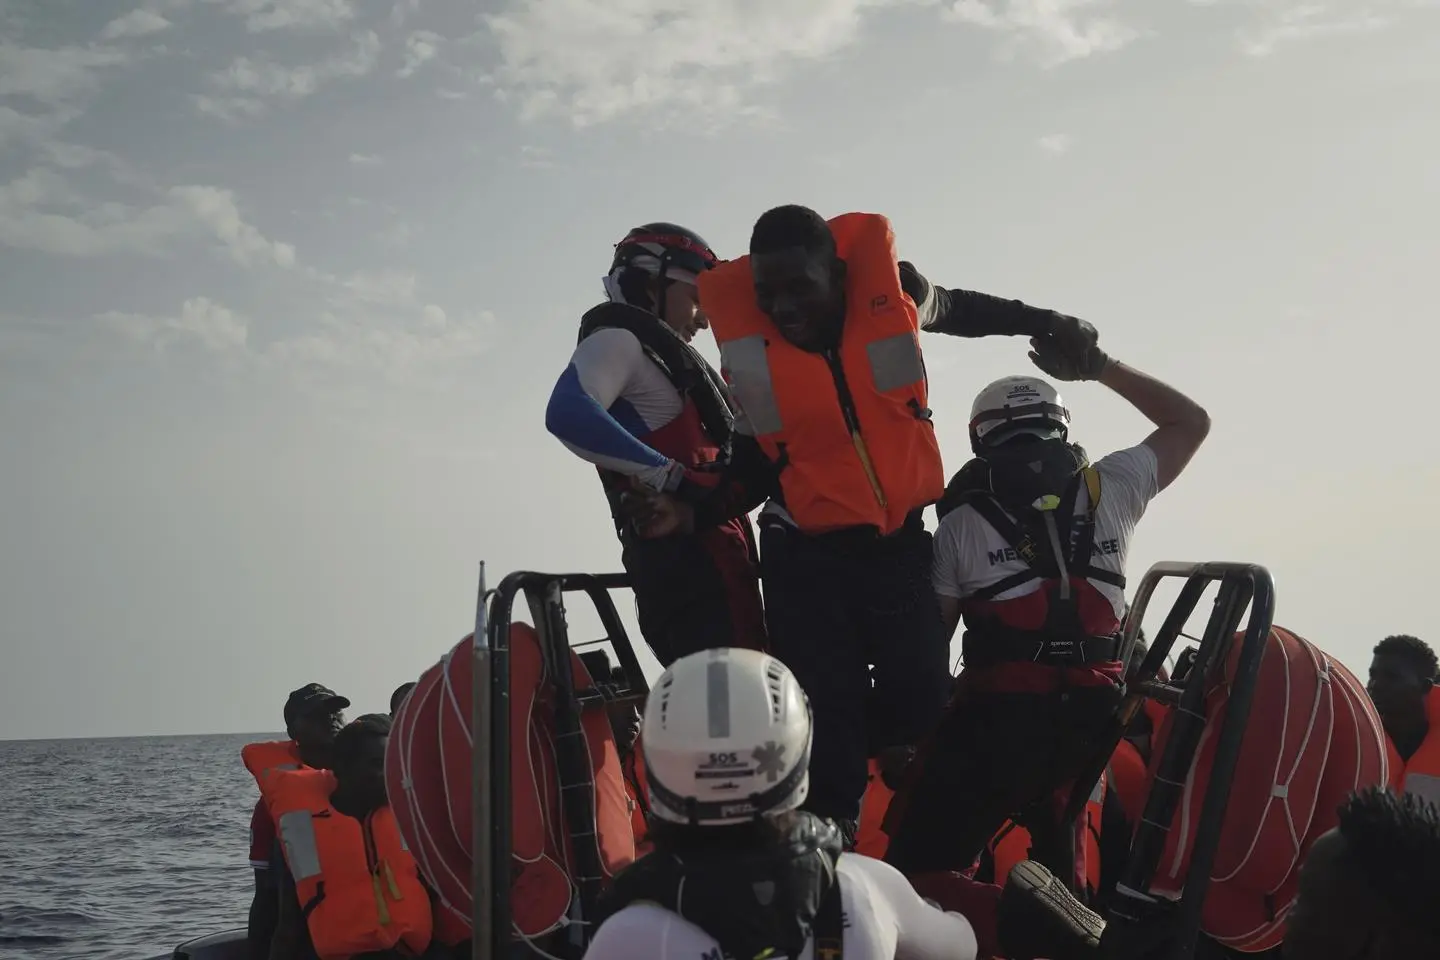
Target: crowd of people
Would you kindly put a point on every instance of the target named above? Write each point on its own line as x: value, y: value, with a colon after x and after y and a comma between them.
x: 806, y: 680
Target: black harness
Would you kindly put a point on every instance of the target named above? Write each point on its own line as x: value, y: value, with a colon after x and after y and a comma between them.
x: 683, y: 366
x: 681, y: 363
x: 1055, y: 545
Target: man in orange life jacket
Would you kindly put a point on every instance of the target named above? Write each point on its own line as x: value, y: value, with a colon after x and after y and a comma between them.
x: 1030, y: 553
x: 638, y: 402
x: 818, y: 332
x: 1403, y: 674
x: 313, y: 715
x: 348, y: 887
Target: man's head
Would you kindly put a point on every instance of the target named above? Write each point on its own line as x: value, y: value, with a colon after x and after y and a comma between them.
x: 1402, y: 671
x: 798, y: 275
x: 655, y: 268
x: 398, y: 697
x: 359, y: 759
x: 314, y: 714
x: 1370, y: 888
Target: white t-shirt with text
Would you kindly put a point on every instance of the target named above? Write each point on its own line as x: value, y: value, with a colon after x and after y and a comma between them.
x: 970, y: 554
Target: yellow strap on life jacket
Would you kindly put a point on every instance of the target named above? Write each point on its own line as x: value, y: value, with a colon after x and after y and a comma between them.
x: 1092, y: 485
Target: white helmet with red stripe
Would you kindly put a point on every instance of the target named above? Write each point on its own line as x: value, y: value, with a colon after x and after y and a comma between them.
x: 727, y: 736
x: 1017, y: 406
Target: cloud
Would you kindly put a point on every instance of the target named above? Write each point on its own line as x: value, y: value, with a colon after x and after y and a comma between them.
x: 42, y: 211
x: 1055, y: 31
x: 217, y: 210
x: 536, y: 158
x: 200, y: 320
x: 1310, y: 21
x: 420, y: 48
x: 54, y: 76
x: 1056, y: 143
x: 137, y: 23
x: 248, y: 83
x: 596, y: 62
x: 262, y: 16
x: 365, y: 160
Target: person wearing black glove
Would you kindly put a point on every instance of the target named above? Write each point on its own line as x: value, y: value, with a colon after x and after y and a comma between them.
x: 1030, y: 555
x: 819, y: 335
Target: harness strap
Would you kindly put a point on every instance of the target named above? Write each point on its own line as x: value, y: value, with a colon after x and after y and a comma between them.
x: 1044, y: 565
x: 828, y: 928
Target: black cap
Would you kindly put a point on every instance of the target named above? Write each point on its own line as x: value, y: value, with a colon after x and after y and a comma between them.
x: 310, y: 697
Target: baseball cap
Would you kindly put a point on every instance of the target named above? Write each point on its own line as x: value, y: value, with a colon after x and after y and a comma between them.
x: 311, y: 697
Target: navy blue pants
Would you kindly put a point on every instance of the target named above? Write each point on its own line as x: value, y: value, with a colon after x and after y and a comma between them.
x: 844, y: 612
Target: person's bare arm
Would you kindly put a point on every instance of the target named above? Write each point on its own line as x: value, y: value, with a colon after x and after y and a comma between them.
x: 1181, y: 424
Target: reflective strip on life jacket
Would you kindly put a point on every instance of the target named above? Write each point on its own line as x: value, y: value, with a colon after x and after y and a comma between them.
x: 358, y: 887
x: 850, y: 428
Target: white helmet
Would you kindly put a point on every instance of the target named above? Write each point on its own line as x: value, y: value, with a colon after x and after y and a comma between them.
x: 1017, y: 405
x: 727, y: 738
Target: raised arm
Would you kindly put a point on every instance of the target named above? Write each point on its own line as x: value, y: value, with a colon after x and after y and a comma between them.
x: 1181, y: 424
x: 967, y: 313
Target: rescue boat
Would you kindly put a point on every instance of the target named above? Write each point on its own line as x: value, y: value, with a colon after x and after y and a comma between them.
x: 1260, y: 739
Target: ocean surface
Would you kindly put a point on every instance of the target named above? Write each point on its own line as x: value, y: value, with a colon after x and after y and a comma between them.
x: 119, y: 849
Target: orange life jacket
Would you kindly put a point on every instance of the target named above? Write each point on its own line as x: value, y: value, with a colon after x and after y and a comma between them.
x: 357, y: 884
x: 871, y: 840
x: 851, y: 428
x: 634, y: 767
x: 261, y: 758
x: 1420, y: 774
x: 451, y: 928
x: 1011, y: 844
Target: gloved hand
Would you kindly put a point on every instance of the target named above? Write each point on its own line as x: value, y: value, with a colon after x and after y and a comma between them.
x: 1068, y: 357
x: 1072, y: 332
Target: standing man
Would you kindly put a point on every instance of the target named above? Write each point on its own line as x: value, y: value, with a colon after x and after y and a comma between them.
x: 818, y: 331
x: 640, y: 404
x: 314, y: 714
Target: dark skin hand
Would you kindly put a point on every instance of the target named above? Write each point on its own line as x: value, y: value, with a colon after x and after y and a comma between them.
x: 654, y: 514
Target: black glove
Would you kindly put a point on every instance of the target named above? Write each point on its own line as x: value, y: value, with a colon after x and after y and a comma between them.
x: 1075, y: 334
x: 1066, y: 356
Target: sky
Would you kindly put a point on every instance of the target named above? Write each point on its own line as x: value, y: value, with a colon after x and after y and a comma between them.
x: 285, y: 285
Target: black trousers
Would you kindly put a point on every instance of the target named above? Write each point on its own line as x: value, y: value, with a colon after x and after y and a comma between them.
x: 697, y: 592
x: 995, y: 756
x: 843, y: 614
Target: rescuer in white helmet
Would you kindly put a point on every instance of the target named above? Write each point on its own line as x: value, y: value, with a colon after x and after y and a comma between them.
x: 1030, y: 555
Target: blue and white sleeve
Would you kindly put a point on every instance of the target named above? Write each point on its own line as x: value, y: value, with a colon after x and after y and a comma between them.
x: 588, y: 412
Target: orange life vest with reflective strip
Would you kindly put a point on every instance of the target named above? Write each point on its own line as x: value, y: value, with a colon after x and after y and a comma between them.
x: 1011, y: 843
x: 357, y: 884
x: 868, y: 462
x: 1420, y: 774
